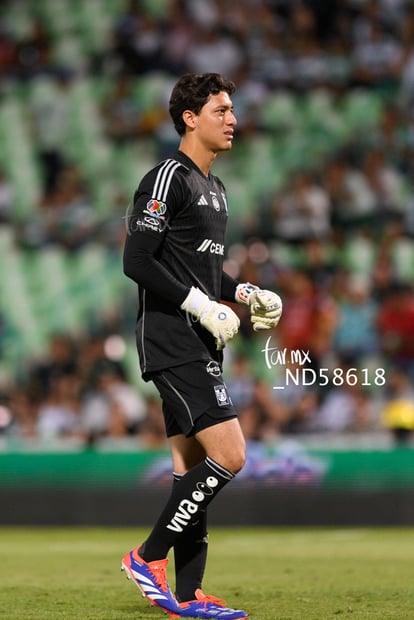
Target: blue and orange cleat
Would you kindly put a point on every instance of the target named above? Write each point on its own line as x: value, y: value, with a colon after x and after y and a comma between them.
x: 207, y: 606
x: 151, y: 579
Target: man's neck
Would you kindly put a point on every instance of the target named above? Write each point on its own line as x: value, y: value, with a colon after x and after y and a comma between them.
x: 203, y: 159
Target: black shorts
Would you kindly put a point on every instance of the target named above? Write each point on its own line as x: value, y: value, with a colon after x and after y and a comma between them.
x: 194, y: 397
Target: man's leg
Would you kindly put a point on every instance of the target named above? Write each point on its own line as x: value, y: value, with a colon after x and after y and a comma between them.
x: 195, y: 404
x: 190, y: 558
x: 189, y: 554
x: 224, y: 446
x: 190, y: 549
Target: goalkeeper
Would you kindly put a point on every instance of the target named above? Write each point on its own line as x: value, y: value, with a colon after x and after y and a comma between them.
x: 174, y: 251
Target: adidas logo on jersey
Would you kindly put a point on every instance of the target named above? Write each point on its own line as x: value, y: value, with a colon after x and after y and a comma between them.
x: 203, y: 201
x: 213, y: 248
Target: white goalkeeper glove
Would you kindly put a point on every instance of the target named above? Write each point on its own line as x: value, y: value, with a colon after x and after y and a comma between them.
x: 265, y: 307
x: 218, y: 319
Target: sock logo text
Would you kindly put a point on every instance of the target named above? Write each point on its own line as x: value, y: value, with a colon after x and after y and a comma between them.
x: 188, y: 508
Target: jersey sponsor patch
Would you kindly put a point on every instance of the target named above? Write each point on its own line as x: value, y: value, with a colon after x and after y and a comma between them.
x: 213, y: 368
x: 211, y: 246
x: 221, y: 394
x: 148, y: 223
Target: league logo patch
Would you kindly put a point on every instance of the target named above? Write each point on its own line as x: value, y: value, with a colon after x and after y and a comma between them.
x: 221, y: 395
x: 156, y: 208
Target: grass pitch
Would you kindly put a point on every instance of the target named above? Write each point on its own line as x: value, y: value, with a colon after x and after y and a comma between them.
x: 275, y: 574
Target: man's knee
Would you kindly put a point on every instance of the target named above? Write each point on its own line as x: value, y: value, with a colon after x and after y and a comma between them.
x: 225, y: 444
x: 233, y: 458
x: 237, y: 458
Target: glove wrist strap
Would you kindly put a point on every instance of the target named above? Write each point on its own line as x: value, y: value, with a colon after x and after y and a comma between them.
x: 243, y: 292
x: 196, y: 302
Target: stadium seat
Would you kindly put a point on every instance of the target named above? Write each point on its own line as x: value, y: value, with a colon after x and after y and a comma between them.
x: 60, y: 16
x: 359, y: 254
x: 402, y: 253
x: 361, y: 109
x: 152, y: 90
x: 130, y: 162
x: 321, y: 117
x: 18, y: 157
x: 17, y: 305
x: 279, y: 113
x: 284, y: 254
x: 94, y: 21
x: 50, y: 290
x: 265, y: 165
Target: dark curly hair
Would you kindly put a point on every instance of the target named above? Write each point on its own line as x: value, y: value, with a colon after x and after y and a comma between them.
x: 192, y: 92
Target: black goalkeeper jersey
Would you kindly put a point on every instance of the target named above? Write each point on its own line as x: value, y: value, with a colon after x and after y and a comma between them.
x: 175, y: 240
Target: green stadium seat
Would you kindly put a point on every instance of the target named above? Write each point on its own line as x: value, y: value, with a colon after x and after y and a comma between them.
x: 280, y: 113
x: 285, y: 254
x: 321, y: 117
x: 361, y: 109
x: 130, y: 162
x: 17, y: 303
x: 60, y: 16
x: 264, y: 166
x: 95, y: 23
x: 18, y: 157
x: 151, y: 91
x: 52, y: 291
x: 359, y: 254
x: 402, y: 254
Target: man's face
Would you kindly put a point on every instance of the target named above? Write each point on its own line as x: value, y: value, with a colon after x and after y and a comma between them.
x: 215, y: 123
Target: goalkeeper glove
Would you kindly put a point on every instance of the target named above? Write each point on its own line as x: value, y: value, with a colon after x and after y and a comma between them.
x: 265, y: 306
x: 218, y: 319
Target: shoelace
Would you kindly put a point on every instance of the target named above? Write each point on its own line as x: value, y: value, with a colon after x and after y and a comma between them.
x: 210, y: 598
x: 158, y: 568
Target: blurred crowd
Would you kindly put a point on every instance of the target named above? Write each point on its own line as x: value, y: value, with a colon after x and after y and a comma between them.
x: 79, y: 393
x: 335, y: 239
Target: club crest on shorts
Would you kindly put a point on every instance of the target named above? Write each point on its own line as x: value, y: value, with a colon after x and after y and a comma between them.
x: 221, y: 395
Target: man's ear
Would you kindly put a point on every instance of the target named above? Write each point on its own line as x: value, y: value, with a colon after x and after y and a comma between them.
x: 189, y: 119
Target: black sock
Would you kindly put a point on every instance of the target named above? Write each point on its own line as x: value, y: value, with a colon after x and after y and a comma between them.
x: 190, y: 556
x: 196, y: 489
